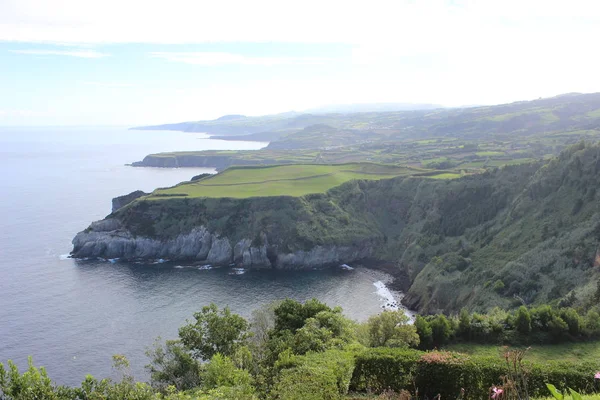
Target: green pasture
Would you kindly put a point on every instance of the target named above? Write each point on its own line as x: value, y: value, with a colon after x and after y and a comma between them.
x: 573, y: 352
x: 285, y: 180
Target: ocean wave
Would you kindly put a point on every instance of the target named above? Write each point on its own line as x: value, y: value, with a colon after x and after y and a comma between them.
x: 237, y: 271
x: 387, y: 297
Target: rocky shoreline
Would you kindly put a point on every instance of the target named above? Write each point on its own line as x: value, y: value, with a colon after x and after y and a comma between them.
x: 109, y: 239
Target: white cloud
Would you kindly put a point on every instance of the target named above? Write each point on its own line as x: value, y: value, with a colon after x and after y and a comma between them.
x: 69, y: 53
x: 221, y: 58
x: 108, y: 84
x: 406, y: 23
x: 451, y: 52
x: 6, y: 113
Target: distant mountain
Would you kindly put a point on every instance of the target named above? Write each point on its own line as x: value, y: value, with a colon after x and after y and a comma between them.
x: 568, y: 112
x: 232, y: 117
x: 371, y: 107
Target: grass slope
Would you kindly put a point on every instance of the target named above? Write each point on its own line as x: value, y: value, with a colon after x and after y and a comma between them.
x: 284, y: 180
x: 572, y: 352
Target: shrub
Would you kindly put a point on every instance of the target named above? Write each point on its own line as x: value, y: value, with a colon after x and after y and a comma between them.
x: 315, y: 376
x: 382, y: 368
x: 523, y: 321
x: 446, y: 373
x: 172, y: 365
x: 391, y: 329
x: 440, y: 329
x: 425, y: 333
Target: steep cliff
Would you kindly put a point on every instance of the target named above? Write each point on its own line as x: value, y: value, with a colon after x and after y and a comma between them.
x: 273, y: 232
x: 121, y: 201
x: 520, y: 234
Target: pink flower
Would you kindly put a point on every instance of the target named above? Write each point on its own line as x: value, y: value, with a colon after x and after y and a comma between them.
x: 597, y: 375
x: 497, y: 393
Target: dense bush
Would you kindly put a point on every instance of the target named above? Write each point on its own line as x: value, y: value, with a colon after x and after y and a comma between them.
x: 311, y: 351
x: 446, y: 373
x: 323, y: 375
x: 536, y: 325
x: 378, y: 369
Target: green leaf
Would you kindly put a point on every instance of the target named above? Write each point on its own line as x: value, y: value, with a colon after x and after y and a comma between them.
x: 557, y: 395
x: 576, y: 396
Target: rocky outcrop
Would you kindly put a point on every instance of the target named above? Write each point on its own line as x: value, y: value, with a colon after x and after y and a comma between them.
x: 109, y: 239
x: 186, y: 160
x: 122, y: 201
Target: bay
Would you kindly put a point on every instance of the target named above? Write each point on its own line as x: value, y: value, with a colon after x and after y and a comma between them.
x: 72, y: 316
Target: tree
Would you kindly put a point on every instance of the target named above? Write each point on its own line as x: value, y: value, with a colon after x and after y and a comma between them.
x: 311, y: 337
x: 573, y: 320
x: 172, y: 365
x: 31, y: 385
x: 425, y: 333
x: 558, y: 328
x: 464, y: 324
x: 523, y: 321
x: 440, y: 330
x: 592, y: 323
x: 214, y: 332
x: 221, y: 371
x: 291, y: 315
x: 392, y: 329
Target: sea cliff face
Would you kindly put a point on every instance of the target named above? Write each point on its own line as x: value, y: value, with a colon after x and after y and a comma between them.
x: 122, y: 201
x: 527, y: 233
x: 110, y: 239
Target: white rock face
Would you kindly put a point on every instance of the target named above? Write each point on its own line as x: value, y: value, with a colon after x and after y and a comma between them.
x: 109, y: 239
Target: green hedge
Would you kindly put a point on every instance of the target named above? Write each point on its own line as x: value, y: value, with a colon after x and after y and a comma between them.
x: 318, y: 376
x: 384, y: 368
x: 447, y: 373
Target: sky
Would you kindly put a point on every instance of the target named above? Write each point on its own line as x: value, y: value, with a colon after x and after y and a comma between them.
x: 142, y: 62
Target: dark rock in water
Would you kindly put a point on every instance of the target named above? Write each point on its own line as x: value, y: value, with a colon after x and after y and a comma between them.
x: 122, y: 201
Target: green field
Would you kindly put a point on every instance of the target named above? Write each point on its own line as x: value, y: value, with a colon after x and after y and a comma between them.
x: 284, y: 180
x: 573, y: 352
x: 489, y: 153
x: 446, y: 175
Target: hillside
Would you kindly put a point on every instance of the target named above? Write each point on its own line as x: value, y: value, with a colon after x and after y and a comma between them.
x: 469, y: 138
x: 560, y: 113
x: 519, y: 234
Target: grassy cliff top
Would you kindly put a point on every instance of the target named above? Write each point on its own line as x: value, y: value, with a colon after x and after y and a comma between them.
x: 286, y: 180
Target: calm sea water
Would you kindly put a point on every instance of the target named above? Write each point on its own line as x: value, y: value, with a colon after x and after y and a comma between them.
x: 72, y: 316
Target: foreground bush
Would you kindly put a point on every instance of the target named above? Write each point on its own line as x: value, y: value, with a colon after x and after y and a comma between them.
x: 446, y: 373
x: 314, y: 376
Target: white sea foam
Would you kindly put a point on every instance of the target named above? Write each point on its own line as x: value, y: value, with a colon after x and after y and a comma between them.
x: 205, y: 267
x: 179, y: 267
x: 389, y: 301
x: 387, y: 297
x: 346, y: 267
x: 237, y: 271
x: 64, y: 256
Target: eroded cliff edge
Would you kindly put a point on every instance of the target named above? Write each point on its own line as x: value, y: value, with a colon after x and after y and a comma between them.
x: 526, y: 233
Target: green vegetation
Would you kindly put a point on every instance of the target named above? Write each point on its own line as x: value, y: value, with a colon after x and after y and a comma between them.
x: 524, y: 326
x: 295, y: 351
x: 476, y: 138
x: 447, y: 175
x: 570, y: 351
x: 526, y: 234
x: 285, y: 180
